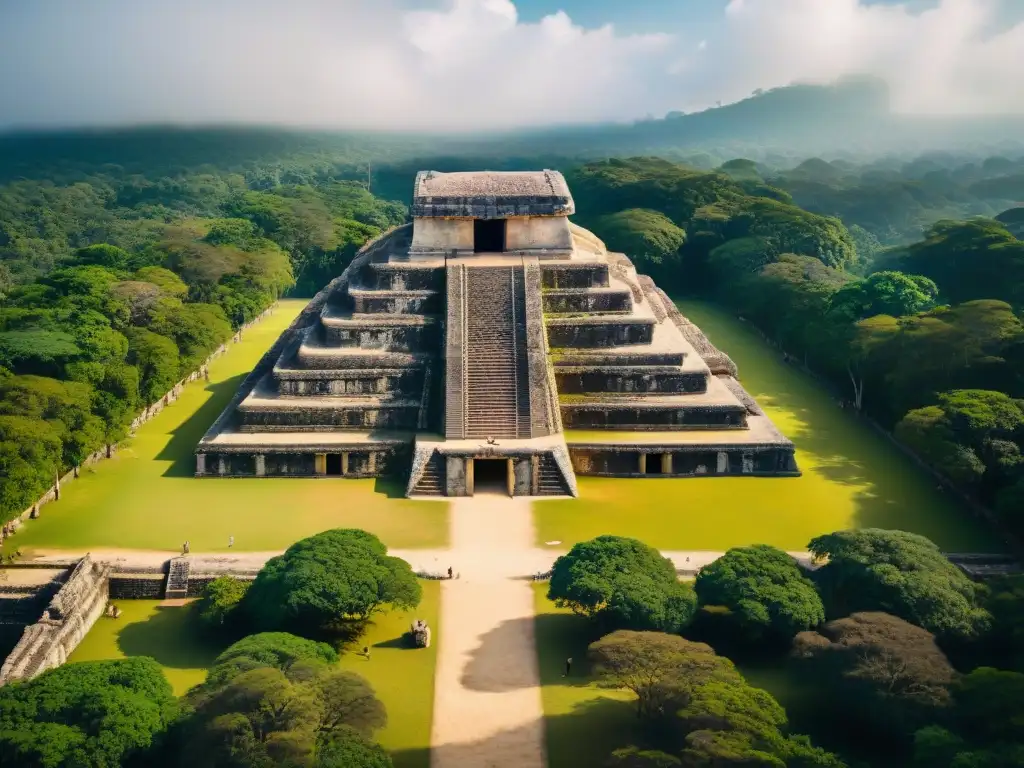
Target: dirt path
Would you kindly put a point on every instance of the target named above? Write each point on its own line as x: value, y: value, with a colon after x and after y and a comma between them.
x: 487, y: 704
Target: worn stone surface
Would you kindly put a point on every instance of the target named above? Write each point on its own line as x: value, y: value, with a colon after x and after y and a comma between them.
x: 66, y: 620
x: 426, y: 355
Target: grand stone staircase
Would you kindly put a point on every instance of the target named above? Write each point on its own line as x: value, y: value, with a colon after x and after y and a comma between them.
x: 497, y: 398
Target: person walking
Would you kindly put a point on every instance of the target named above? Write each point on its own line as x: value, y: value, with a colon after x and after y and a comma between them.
x: 568, y: 666
x: 451, y: 573
x: 366, y: 652
x: 231, y: 541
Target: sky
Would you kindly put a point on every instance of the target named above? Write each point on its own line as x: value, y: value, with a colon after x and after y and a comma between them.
x: 485, y: 64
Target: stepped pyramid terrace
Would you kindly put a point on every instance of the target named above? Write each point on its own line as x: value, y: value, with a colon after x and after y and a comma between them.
x: 492, y: 341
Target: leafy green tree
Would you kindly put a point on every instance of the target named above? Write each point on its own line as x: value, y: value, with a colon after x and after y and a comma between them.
x: 883, y: 672
x: 765, y: 591
x: 103, y: 255
x: 168, y: 282
x: 987, y: 724
x: 279, y: 650
x: 220, y: 600
x: 623, y: 583
x: 661, y: 670
x: 338, y: 575
x: 30, y: 459
x: 96, y: 713
x: 648, y: 237
x: 305, y: 712
x: 347, y: 748
x: 38, y: 351
x: 66, y: 405
x: 156, y: 358
x: 896, y: 572
x: 885, y: 293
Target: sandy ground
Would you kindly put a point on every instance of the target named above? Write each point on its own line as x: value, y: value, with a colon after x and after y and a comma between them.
x: 487, y: 704
x: 511, y: 561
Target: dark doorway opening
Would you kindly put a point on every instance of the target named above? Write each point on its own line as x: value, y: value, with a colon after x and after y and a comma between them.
x: 654, y: 464
x: 489, y: 235
x: 333, y: 463
x: 490, y: 475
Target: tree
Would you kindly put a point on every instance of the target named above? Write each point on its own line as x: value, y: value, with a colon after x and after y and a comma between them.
x: 649, y: 237
x: 296, y: 710
x: 156, y: 358
x: 343, y: 574
x: 347, y: 748
x: 96, y: 713
x: 886, y: 673
x: 899, y: 573
x: 662, y: 670
x: 221, y: 597
x: 885, y: 293
x: 103, y: 255
x: 30, y: 459
x: 765, y: 591
x: 624, y: 584
x: 279, y: 650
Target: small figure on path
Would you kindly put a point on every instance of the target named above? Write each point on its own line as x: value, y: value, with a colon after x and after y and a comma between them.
x: 451, y: 573
x: 184, y: 550
x: 231, y: 541
x: 366, y: 652
x: 568, y: 667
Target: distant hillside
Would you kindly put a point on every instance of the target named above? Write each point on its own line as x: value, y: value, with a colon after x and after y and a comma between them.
x: 850, y: 118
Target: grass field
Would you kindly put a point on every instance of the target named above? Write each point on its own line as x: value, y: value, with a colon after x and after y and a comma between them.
x: 147, y: 498
x: 852, y: 477
x: 403, y: 677
x: 583, y: 724
x: 168, y: 633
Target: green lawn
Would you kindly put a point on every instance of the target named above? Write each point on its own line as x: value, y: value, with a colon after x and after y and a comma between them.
x: 583, y: 724
x: 147, y: 498
x: 403, y: 677
x: 852, y: 477
x: 168, y: 633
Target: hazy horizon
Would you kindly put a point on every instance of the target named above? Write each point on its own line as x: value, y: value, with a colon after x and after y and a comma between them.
x: 481, y: 66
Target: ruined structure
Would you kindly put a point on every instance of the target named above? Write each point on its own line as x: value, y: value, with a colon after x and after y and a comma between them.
x: 492, y: 340
x: 66, y: 620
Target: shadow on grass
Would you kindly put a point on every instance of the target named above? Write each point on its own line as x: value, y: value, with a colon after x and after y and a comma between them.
x: 391, y: 487
x: 181, y: 447
x: 401, y: 642
x: 173, y: 637
x: 895, y: 494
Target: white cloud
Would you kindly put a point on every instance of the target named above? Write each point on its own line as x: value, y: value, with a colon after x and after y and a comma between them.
x: 952, y: 57
x: 473, y: 63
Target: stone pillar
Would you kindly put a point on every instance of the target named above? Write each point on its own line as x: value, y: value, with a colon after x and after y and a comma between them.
x: 642, y: 464
x: 200, y: 464
x: 510, y: 477
x: 524, y: 477
x: 222, y: 466
x: 344, y: 463
x: 261, y: 465
x: 723, y: 463
x: 320, y: 464
x: 455, y: 476
x: 372, y: 463
x: 666, y: 463
x: 748, y: 463
x: 470, y: 477
x: 534, y: 475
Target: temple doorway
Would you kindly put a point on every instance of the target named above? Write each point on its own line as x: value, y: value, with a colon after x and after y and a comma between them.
x: 333, y: 464
x: 488, y: 235
x: 490, y: 476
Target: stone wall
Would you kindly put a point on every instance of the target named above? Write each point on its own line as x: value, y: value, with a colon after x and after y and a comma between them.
x: 437, y: 237
x: 137, y: 586
x: 538, y: 236
x: 66, y: 620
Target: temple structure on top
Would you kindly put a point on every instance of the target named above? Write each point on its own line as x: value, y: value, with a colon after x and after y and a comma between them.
x: 492, y: 342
